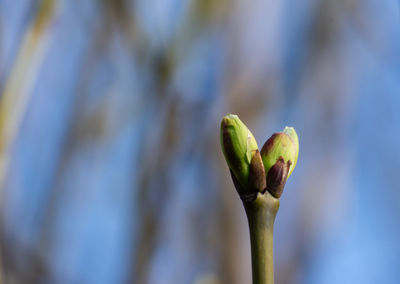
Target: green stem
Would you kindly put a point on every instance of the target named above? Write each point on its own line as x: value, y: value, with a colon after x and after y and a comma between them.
x: 261, y: 217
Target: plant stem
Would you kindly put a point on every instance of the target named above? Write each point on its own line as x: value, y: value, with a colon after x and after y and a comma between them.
x: 261, y: 215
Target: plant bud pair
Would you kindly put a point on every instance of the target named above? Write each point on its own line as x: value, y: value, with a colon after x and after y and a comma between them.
x: 252, y: 171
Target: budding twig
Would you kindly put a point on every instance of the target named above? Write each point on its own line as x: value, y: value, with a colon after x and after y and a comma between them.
x: 259, y: 179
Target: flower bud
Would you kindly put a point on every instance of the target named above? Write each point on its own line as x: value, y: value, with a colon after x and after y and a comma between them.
x: 292, y: 134
x: 279, y: 155
x: 242, y: 156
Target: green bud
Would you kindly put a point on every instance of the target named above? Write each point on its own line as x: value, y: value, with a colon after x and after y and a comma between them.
x: 242, y: 156
x: 279, y: 155
x: 292, y: 134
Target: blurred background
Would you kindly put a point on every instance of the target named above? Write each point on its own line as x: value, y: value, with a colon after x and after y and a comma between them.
x: 110, y: 164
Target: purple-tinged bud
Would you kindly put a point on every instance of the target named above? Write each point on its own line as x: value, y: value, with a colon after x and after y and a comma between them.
x: 279, y: 155
x: 242, y: 156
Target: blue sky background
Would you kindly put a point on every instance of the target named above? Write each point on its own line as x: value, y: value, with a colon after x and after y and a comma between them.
x: 110, y: 158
